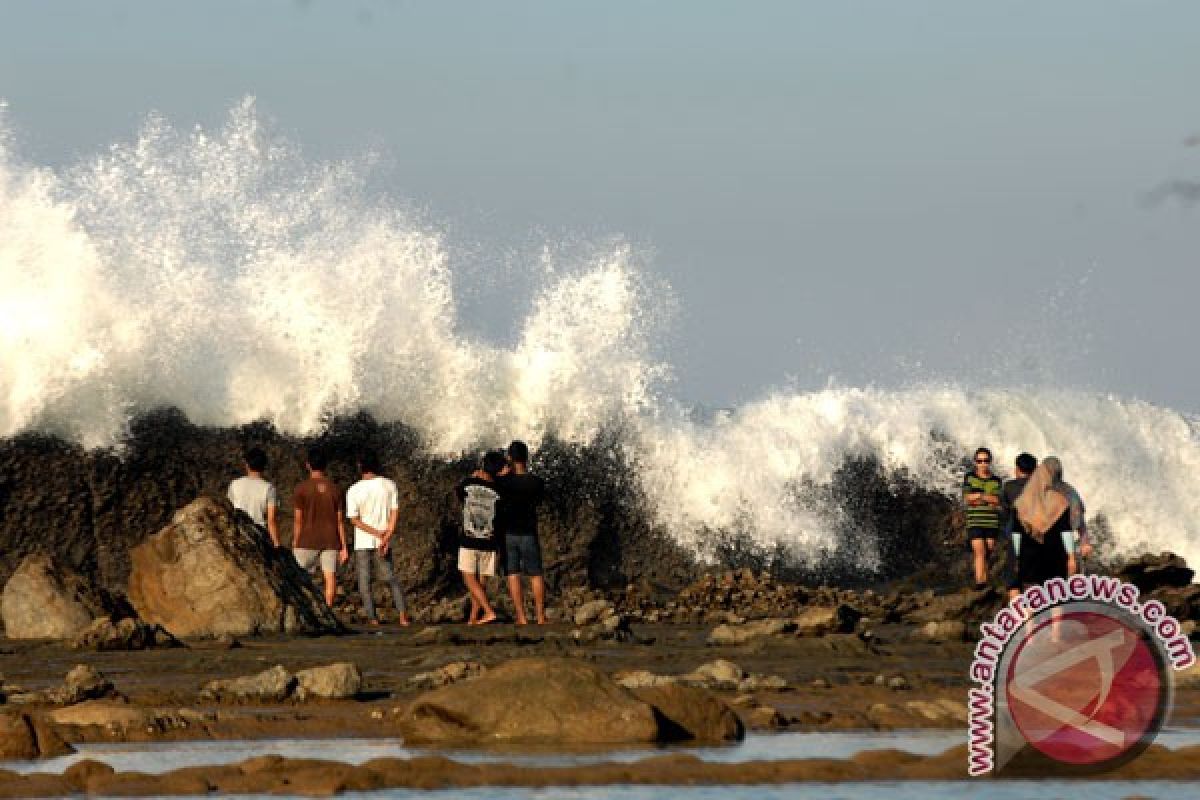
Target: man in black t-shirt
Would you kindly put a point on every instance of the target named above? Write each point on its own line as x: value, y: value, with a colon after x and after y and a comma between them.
x: 1024, y: 467
x: 521, y: 492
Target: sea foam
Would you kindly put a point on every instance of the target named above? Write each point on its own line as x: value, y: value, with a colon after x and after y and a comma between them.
x: 223, y: 273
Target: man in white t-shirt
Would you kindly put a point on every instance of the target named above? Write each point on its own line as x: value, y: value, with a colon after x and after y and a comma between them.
x: 252, y: 494
x: 373, y: 507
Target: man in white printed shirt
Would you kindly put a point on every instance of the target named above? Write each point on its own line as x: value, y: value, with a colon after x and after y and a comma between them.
x: 373, y: 508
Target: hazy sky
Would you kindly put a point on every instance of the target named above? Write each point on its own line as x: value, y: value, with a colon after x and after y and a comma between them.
x: 874, y: 192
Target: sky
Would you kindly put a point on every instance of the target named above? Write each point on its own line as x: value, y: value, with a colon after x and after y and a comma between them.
x: 849, y: 192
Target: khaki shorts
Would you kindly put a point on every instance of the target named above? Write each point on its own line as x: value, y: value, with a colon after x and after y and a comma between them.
x: 477, y: 562
x: 307, y: 559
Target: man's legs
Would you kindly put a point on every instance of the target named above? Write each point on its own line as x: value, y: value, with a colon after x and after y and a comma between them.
x: 329, y: 565
x: 979, y: 551
x: 362, y: 565
x: 471, y: 562
x: 538, y: 584
x: 388, y: 572
x: 514, y: 568
x: 518, y: 598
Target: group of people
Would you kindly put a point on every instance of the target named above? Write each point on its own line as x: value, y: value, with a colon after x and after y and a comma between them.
x: 1038, y: 515
x: 499, y: 527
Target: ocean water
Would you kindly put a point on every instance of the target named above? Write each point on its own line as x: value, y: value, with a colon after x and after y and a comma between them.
x: 215, y: 270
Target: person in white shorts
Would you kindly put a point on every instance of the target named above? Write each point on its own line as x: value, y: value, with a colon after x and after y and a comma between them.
x: 477, y: 544
x: 253, y: 495
x: 373, y: 507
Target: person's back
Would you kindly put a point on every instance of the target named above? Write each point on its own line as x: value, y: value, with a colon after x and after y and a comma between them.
x: 320, y: 502
x: 481, y: 506
x: 373, y: 508
x: 253, y: 495
x: 371, y: 500
x: 521, y: 492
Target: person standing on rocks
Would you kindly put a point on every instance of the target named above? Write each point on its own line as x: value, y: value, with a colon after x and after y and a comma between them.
x: 1023, y: 468
x: 1044, y: 514
x: 477, y: 546
x: 254, y: 496
x: 319, y: 534
x: 373, y: 508
x: 522, y: 491
x: 981, y: 494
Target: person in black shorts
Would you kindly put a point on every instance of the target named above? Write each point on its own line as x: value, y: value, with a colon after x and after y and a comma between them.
x: 981, y: 495
x: 521, y: 492
x: 1023, y: 468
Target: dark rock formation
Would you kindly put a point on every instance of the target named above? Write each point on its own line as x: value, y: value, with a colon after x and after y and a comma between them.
x: 1149, y: 572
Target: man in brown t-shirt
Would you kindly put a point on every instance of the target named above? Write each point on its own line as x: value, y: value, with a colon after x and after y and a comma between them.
x: 318, y: 535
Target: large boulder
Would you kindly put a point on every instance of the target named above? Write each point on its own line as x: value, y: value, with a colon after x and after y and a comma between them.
x: 533, y: 700
x: 211, y: 572
x: 687, y: 713
x: 45, y: 600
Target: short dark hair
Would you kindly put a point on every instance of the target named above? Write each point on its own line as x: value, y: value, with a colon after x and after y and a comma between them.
x: 368, y: 461
x: 985, y: 452
x: 493, y: 462
x: 518, y: 451
x: 317, y: 458
x: 255, y: 459
x: 1026, y: 463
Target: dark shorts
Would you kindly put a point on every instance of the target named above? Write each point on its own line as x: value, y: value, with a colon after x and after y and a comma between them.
x: 523, y: 555
x: 982, y: 533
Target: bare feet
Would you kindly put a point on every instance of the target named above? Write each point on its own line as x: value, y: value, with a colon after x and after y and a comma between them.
x: 374, y: 623
x: 404, y: 621
x: 487, y: 619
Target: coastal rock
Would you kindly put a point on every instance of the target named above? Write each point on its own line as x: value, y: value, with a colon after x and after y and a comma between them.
x: 17, y: 740
x: 687, y: 713
x: 950, y: 630
x: 270, y: 685
x: 534, y: 700
x: 1181, y: 602
x: 108, y: 714
x: 642, y: 679
x: 455, y: 672
x: 763, y: 683
x: 724, y: 635
x: 955, y: 606
x: 1149, y: 572
x: 45, y: 600
x: 26, y: 736
x: 593, y: 612
x: 719, y: 674
x: 210, y: 572
x: 822, y: 620
x: 126, y: 634
x: 340, y: 681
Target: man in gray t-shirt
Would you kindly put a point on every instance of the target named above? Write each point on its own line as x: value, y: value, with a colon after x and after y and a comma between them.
x: 254, y: 495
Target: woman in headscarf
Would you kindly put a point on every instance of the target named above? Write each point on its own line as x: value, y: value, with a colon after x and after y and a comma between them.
x: 1043, y: 515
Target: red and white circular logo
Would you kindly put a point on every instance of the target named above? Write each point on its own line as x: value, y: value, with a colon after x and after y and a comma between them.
x: 1086, y: 688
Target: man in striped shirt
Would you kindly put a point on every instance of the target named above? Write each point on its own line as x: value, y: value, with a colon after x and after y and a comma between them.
x: 981, y: 494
